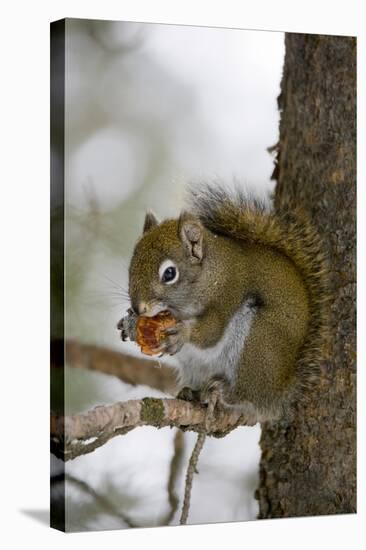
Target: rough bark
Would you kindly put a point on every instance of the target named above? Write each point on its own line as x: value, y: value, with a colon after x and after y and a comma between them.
x: 308, y: 467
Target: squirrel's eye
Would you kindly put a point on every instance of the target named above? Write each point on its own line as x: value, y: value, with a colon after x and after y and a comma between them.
x: 168, y: 272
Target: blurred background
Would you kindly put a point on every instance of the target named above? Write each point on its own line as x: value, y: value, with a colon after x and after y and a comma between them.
x: 149, y: 108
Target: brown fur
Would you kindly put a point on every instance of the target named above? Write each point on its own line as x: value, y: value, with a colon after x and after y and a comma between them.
x: 231, y: 251
x: 292, y: 235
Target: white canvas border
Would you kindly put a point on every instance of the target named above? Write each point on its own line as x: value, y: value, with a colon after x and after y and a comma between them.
x: 25, y: 264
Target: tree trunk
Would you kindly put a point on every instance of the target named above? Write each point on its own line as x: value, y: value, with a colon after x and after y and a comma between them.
x: 308, y: 466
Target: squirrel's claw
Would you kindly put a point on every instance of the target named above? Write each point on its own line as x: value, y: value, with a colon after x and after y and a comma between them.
x: 171, y: 331
x: 188, y: 394
x: 219, y: 386
x: 174, y: 338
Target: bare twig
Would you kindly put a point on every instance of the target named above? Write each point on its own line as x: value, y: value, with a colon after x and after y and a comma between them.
x: 100, y: 499
x: 175, y: 467
x: 73, y: 436
x: 129, y: 369
x: 192, y: 468
x: 193, y: 461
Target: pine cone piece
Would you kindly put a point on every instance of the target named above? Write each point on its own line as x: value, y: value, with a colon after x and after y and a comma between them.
x: 150, y: 331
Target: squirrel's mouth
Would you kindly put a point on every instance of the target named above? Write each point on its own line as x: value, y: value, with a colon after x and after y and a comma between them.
x: 151, y: 309
x: 154, y: 308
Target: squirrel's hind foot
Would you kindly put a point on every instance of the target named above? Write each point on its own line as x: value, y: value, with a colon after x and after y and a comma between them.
x: 212, y: 394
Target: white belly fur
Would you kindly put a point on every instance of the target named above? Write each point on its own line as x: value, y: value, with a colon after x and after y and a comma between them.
x: 196, y: 365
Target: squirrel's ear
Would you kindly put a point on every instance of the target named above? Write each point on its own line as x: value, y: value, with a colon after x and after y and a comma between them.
x: 191, y: 234
x: 150, y: 221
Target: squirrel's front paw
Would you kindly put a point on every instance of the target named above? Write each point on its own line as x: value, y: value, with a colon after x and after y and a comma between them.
x: 127, y: 326
x: 173, y: 339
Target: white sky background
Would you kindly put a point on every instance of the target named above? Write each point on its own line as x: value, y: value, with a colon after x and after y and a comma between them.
x: 188, y: 103
x: 222, y: 83
x: 236, y: 78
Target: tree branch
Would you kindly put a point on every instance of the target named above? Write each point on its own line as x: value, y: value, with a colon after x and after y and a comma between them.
x: 73, y: 436
x: 129, y: 369
x: 101, y: 500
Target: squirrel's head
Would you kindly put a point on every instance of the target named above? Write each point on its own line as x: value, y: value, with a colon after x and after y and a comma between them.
x: 166, y: 267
